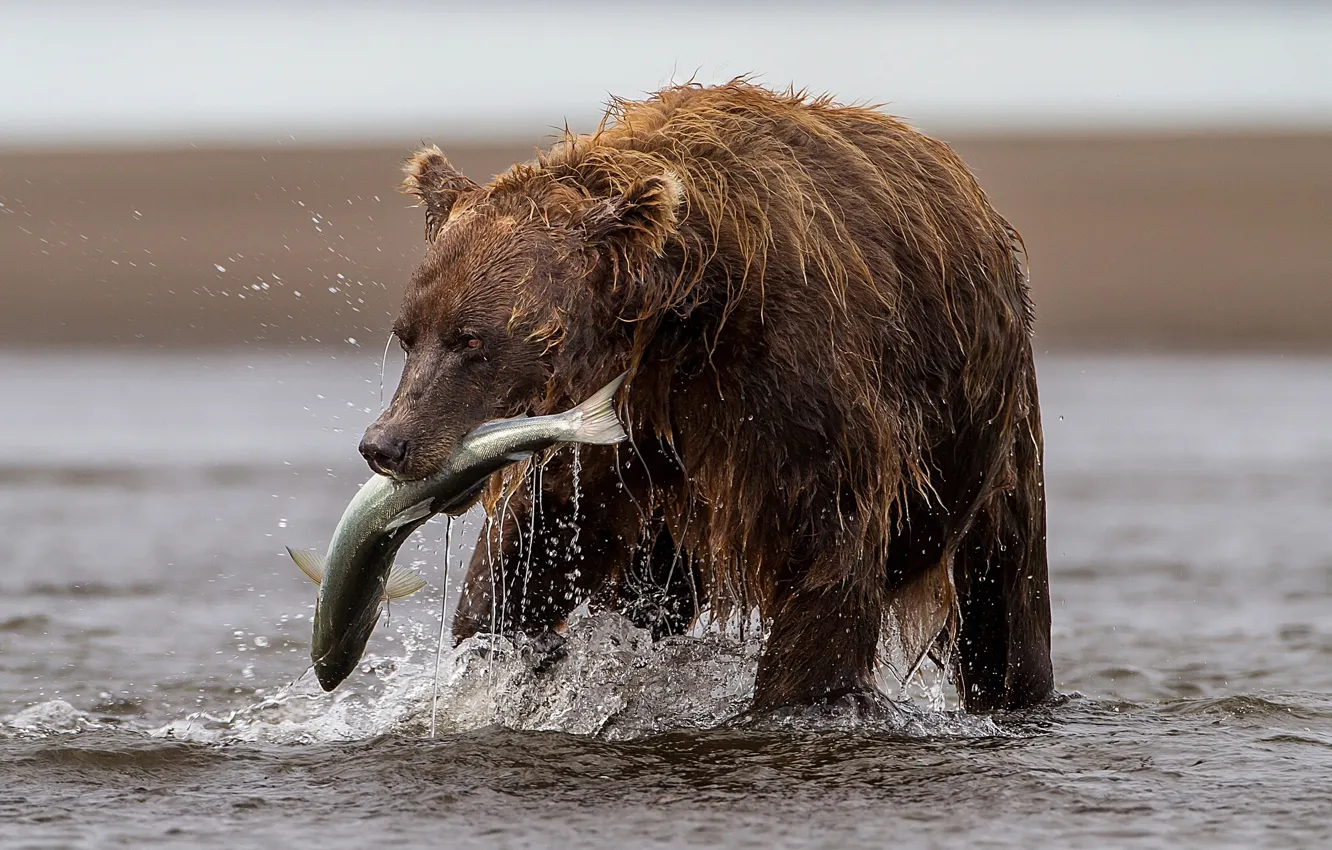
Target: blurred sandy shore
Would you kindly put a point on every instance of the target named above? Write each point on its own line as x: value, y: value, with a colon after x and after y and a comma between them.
x: 1136, y: 241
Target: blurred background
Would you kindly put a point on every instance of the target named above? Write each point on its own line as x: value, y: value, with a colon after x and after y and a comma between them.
x: 220, y: 174
x: 202, y: 246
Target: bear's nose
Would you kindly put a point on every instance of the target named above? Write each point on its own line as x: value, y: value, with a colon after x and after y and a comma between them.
x: 385, y: 451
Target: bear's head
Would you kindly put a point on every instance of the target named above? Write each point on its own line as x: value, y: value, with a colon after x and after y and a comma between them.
x: 515, y: 274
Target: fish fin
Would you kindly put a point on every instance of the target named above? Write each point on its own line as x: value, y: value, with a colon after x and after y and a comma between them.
x: 310, y: 563
x: 402, y: 582
x: 418, y: 511
x: 516, y: 457
x: 597, y: 422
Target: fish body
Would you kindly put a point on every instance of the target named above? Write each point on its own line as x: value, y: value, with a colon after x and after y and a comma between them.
x: 357, y: 577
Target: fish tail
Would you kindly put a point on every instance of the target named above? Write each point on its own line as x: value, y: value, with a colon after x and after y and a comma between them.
x: 595, y: 421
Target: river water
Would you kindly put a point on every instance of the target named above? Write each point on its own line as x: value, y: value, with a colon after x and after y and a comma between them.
x: 154, y: 637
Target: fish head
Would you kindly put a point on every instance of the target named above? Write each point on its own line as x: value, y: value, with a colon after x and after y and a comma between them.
x: 521, y: 282
x: 340, y: 638
x: 353, y: 592
x: 333, y: 670
x: 351, y: 598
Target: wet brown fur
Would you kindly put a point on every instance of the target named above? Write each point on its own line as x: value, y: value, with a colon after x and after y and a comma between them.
x: 832, y: 397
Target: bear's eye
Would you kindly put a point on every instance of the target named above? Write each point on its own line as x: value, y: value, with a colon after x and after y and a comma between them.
x: 464, y: 341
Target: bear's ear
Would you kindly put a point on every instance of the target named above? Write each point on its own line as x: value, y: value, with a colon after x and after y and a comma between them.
x: 640, y: 218
x: 436, y: 184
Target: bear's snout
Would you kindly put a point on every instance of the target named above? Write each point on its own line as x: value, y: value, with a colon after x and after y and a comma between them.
x: 385, y: 450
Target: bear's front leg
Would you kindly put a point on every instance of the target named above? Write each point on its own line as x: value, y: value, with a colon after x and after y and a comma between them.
x: 525, y: 577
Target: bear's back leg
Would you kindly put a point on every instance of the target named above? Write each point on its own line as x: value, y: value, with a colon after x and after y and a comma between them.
x: 1003, y: 585
x: 824, y: 636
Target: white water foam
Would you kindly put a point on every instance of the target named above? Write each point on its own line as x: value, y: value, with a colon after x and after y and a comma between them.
x: 46, y: 718
x: 611, y: 681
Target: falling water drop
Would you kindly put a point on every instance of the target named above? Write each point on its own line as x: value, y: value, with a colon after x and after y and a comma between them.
x: 443, y: 608
x: 577, y: 500
x: 382, y: 361
x: 491, y: 536
x: 534, y: 481
x: 577, y: 475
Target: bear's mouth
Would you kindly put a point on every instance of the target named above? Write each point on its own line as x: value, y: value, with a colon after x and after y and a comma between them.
x: 402, y: 476
x: 379, y: 469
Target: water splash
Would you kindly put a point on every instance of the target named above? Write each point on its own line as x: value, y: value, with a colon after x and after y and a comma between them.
x: 612, y: 682
x: 47, y: 718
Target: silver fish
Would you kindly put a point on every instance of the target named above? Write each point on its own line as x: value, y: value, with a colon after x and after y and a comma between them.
x: 357, y: 577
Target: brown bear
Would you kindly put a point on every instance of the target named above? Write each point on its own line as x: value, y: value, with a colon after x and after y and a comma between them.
x: 831, y: 396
